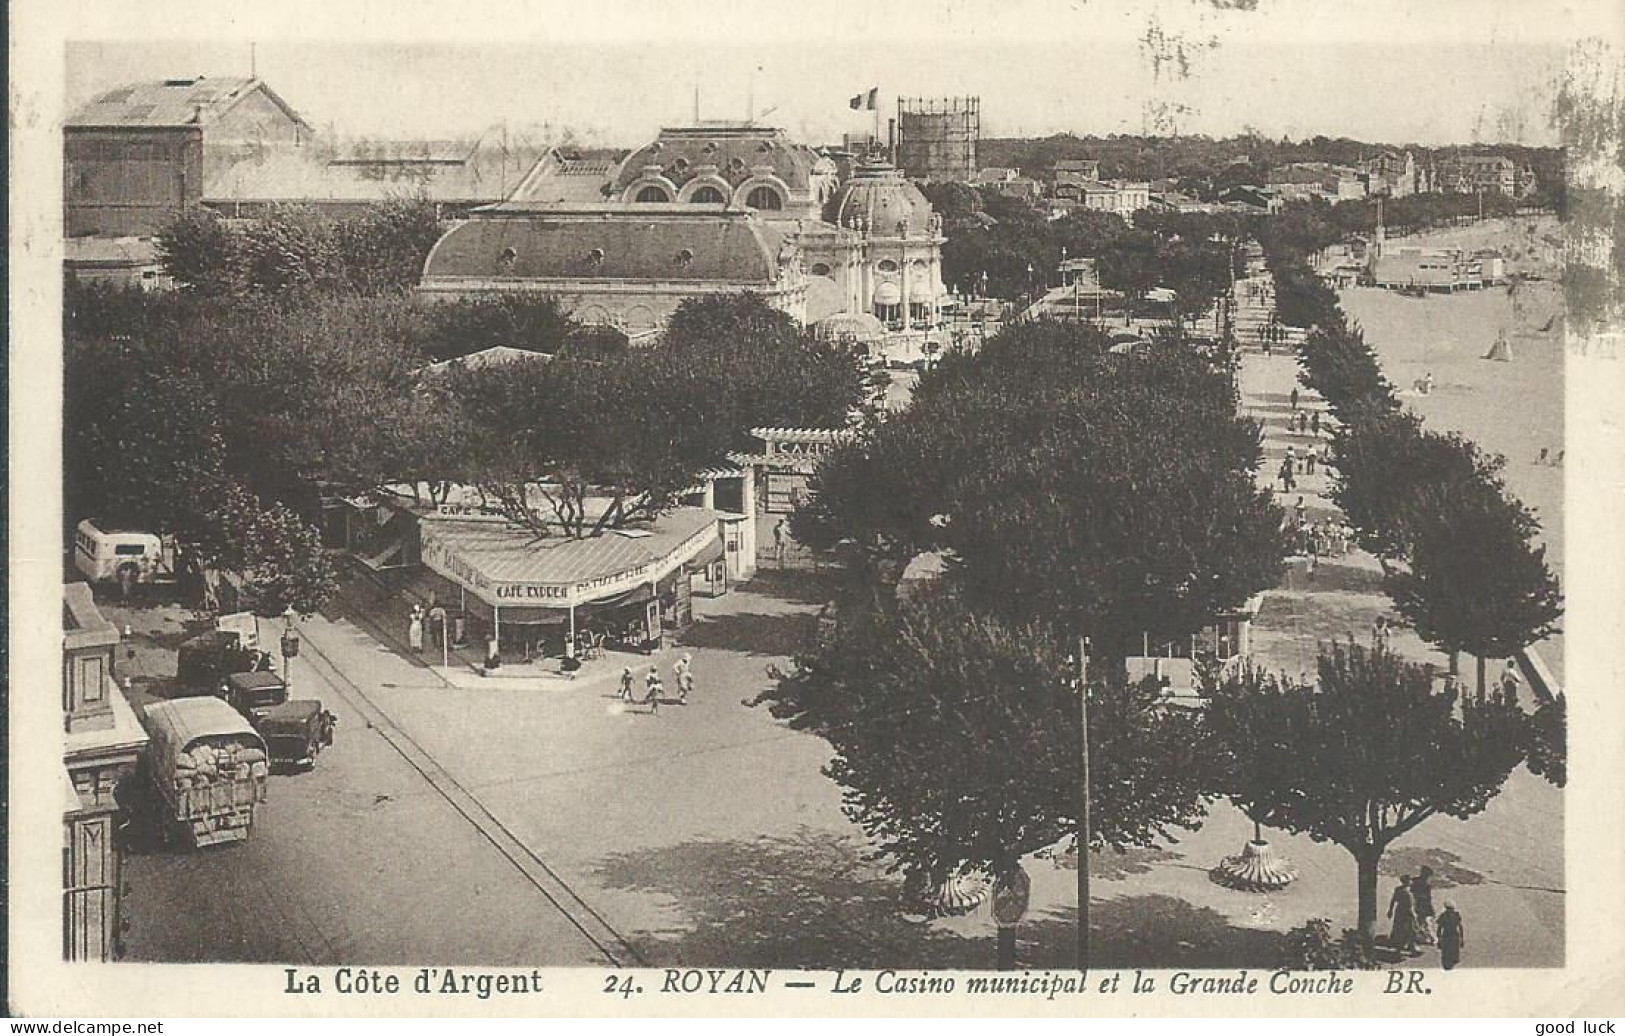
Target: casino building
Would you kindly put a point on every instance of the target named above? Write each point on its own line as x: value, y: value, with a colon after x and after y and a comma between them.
x: 710, y: 209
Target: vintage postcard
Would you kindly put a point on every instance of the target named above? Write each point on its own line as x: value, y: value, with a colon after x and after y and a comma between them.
x: 1028, y: 508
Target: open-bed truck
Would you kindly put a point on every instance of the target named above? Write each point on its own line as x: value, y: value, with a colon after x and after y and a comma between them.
x: 210, y: 768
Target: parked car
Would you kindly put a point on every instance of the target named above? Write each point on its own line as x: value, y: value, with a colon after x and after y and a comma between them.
x: 295, y: 732
x: 204, y: 662
x: 254, y: 694
x: 123, y: 556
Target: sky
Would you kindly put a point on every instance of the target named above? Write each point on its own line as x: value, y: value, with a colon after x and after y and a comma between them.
x: 1441, y: 72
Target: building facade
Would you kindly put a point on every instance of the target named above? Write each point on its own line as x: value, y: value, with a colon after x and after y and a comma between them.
x: 1391, y: 174
x: 102, y: 741
x: 1492, y: 174
x: 866, y: 245
x: 134, y: 155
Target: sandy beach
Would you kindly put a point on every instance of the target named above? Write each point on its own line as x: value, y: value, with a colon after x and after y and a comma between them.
x: 1514, y: 408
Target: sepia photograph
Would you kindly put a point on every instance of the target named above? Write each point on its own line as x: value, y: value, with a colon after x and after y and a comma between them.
x: 1068, y: 487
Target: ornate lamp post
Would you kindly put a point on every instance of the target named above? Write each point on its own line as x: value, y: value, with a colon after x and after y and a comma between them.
x: 290, y: 646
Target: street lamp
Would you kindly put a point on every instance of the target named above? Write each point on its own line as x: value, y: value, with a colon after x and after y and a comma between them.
x: 290, y: 646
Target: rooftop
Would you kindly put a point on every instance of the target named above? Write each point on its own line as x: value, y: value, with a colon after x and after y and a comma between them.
x: 687, y: 243
x: 506, y: 554
x: 172, y: 102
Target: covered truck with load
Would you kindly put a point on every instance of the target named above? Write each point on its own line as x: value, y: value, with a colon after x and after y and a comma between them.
x: 210, y: 768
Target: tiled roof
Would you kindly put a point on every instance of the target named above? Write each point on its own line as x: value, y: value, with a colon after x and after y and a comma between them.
x: 703, y: 243
x: 171, y: 102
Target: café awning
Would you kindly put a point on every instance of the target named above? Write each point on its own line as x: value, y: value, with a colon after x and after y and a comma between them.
x: 505, y: 566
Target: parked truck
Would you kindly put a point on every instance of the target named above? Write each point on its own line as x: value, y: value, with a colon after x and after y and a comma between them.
x: 209, y: 766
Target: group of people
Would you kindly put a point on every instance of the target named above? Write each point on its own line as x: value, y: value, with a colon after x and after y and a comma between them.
x: 654, y: 688
x: 1411, y: 910
x: 1322, y: 539
x: 1550, y: 459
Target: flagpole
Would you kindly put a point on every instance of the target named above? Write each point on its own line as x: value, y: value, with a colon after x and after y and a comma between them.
x: 876, y: 95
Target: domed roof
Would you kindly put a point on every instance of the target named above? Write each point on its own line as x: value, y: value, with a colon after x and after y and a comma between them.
x: 731, y: 153
x: 879, y: 199
x: 860, y: 327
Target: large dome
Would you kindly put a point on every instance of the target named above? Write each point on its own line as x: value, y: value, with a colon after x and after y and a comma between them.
x: 878, y: 199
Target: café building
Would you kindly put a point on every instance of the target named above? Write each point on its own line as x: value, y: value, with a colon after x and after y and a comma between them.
x: 628, y: 585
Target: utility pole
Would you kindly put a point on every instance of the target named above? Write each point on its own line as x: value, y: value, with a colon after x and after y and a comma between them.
x: 1083, y: 805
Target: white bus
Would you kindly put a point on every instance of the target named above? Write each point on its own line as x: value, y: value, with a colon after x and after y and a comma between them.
x: 120, y: 556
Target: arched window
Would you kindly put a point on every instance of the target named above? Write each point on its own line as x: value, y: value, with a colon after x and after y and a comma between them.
x: 652, y: 193
x: 764, y: 199
x: 707, y: 195
x: 886, y: 266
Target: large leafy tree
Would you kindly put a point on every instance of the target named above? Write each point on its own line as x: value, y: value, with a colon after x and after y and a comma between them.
x: 578, y: 445
x: 1476, y: 580
x: 141, y: 443
x: 517, y: 320
x: 1365, y: 755
x: 1393, y: 477
x: 957, y: 739
x: 279, y: 555
x: 384, y: 248
x: 1109, y: 495
x: 200, y: 251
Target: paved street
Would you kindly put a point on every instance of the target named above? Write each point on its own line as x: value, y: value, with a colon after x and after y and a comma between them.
x: 358, y: 861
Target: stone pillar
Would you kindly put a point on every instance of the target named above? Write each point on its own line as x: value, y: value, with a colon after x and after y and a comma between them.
x: 710, y: 502
x: 933, y: 278
x: 747, y: 530
x: 902, y: 267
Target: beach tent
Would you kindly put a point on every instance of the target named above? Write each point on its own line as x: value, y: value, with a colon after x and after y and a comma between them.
x: 1501, y: 350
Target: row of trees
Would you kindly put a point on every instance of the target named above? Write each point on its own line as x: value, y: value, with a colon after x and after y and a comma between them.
x: 223, y: 420
x: 1078, y: 493
x: 1019, y: 250
x: 1459, y: 551
x: 297, y: 249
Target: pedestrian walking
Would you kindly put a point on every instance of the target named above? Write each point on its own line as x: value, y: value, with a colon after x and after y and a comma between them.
x: 1452, y: 937
x: 1314, y: 424
x: 778, y: 543
x: 626, y: 683
x: 1402, y: 910
x: 1422, y: 894
x: 683, y: 671
x: 652, y: 689
x: 1301, y: 509
x: 1288, y: 482
x: 1309, y: 462
x: 414, y: 631
x: 1294, y: 397
x: 1511, y: 679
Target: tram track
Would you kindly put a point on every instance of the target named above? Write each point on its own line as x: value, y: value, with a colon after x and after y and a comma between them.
x: 617, y: 951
